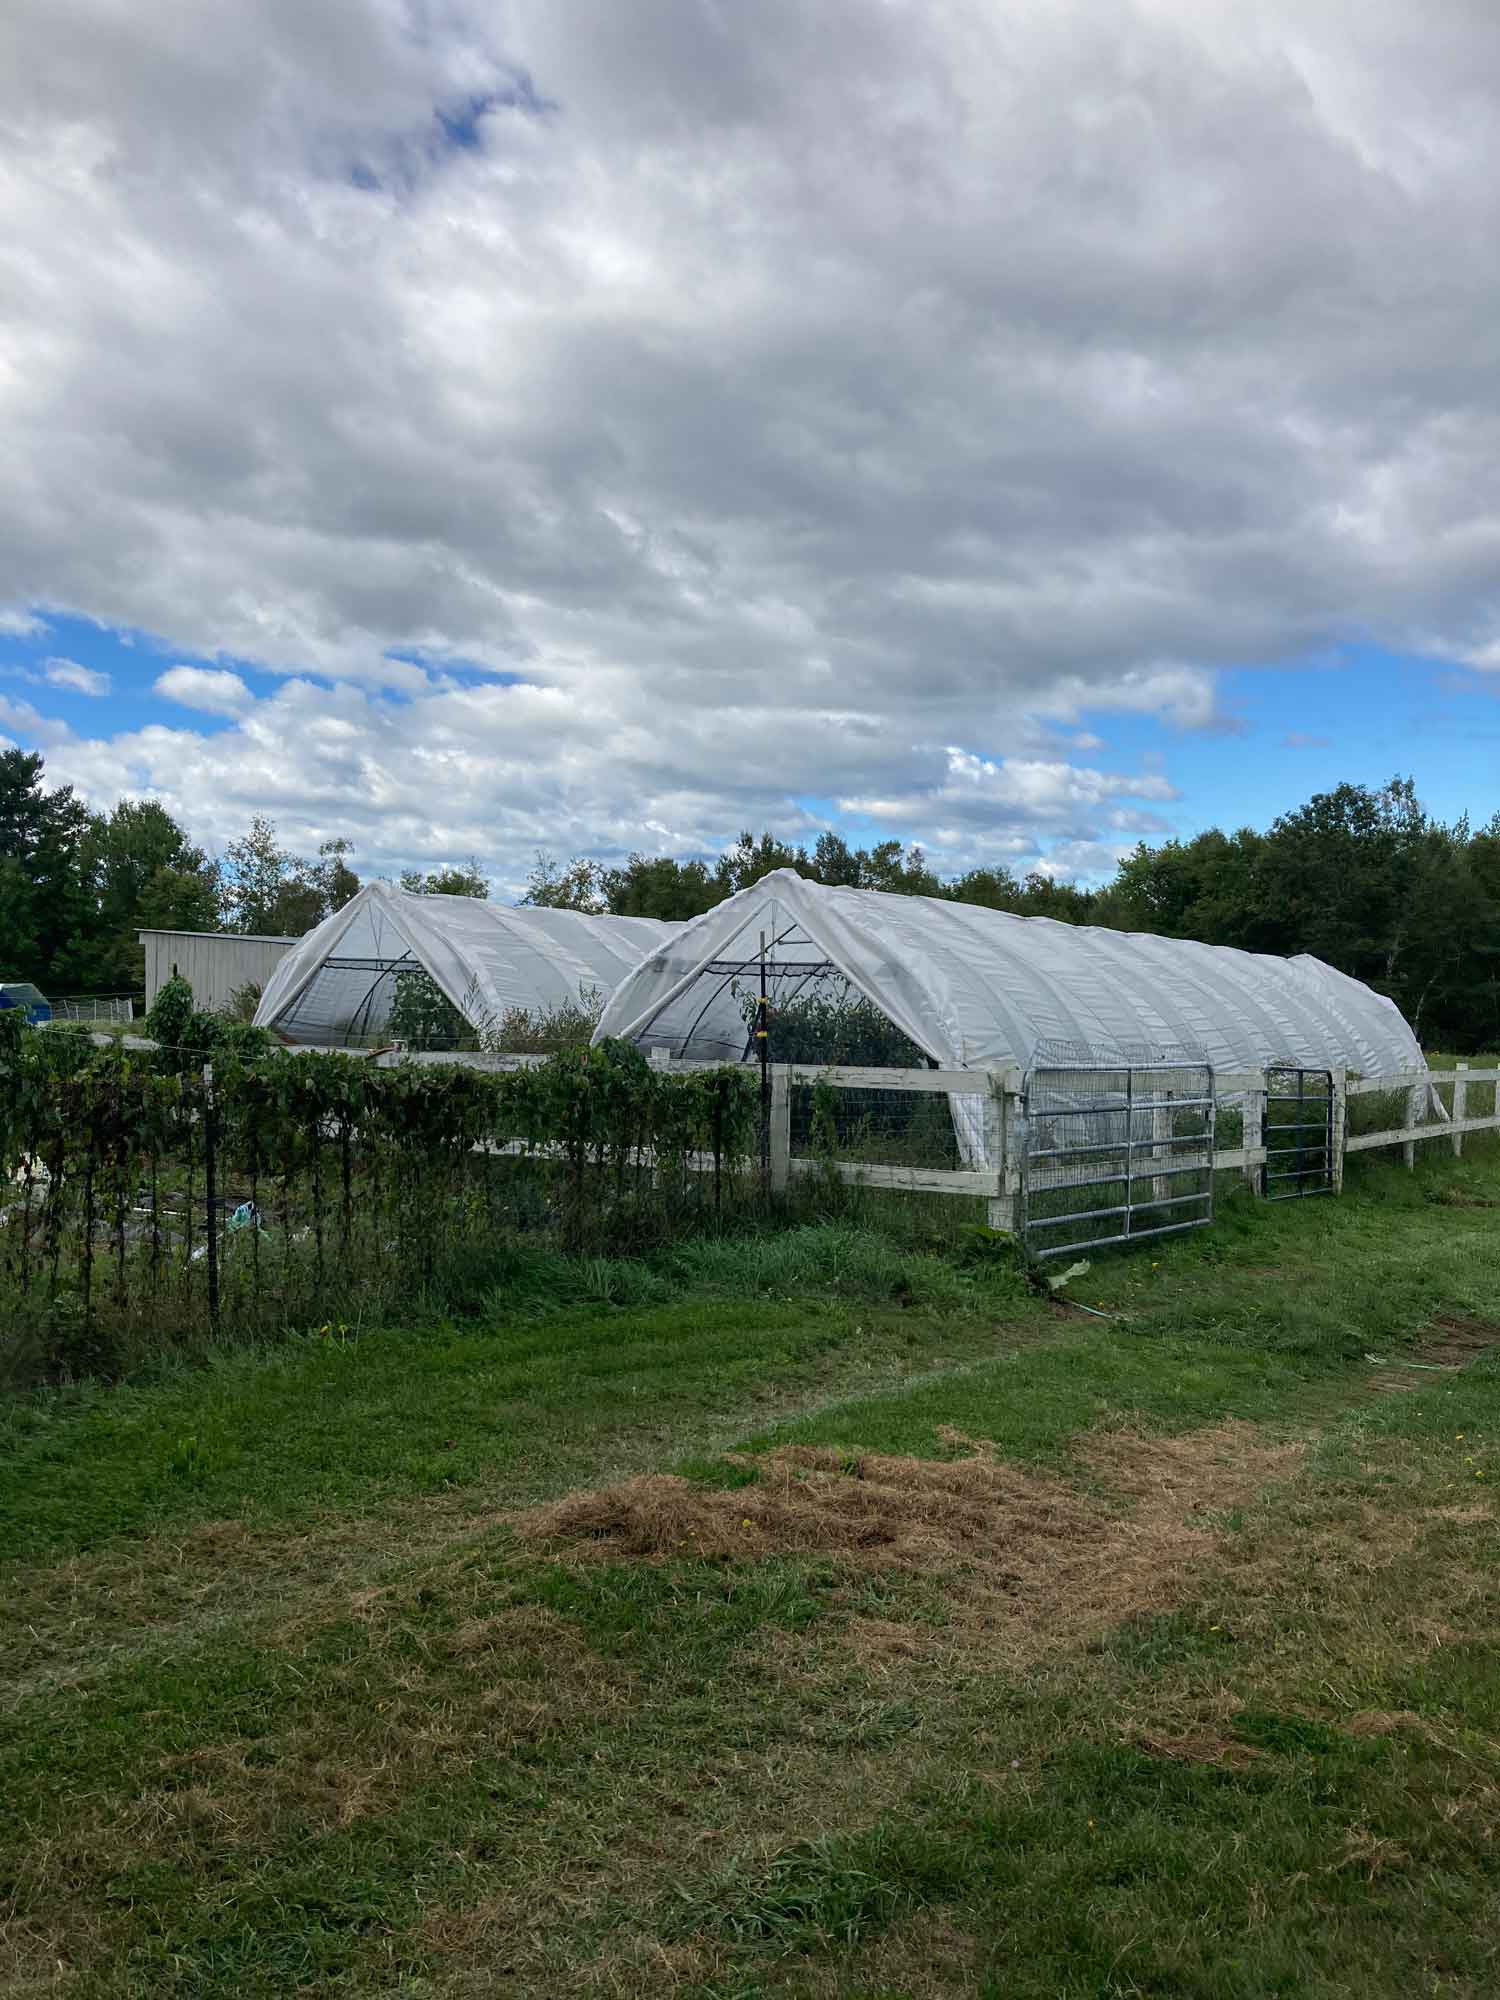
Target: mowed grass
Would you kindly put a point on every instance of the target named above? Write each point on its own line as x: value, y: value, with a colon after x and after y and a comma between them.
x: 299, y: 1697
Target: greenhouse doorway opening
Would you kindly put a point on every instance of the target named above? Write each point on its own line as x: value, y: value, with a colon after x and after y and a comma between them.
x: 1114, y: 1151
x: 1299, y: 1133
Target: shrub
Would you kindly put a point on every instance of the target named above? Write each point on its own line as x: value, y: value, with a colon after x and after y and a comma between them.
x: 187, y: 1037
x: 423, y: 1016
x: 546, y: 1031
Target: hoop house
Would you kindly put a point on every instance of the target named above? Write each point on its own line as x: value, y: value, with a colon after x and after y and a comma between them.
x: 338, y: 984
x: 972, y: 988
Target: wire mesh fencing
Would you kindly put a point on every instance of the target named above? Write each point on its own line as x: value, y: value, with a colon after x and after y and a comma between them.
x: 103, y: 1010
x: 862, y: 1124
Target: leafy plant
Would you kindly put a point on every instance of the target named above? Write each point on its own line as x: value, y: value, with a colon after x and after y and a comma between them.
x: 187, y: 1037
x: 171, y: 1012
x: 545, y: 1031
x: 423, y: 1016
x: 834, y: 1023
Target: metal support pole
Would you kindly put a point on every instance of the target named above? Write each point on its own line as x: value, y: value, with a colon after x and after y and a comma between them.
x: 763, y: 1056
x: 211, y: 1193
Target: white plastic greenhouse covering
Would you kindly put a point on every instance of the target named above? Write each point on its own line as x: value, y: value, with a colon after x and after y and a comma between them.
x: 978, y: 989
x: 337, y: 983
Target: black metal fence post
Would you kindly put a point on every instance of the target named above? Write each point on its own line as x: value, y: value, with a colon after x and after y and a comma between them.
x: 211, y: 1194
x: 763, y: 1055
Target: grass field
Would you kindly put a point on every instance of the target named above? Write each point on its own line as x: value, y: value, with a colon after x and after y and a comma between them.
x: 800, y: 1615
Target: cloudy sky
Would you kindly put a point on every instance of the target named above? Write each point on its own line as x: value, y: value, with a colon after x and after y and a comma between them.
x: 1021, y: 425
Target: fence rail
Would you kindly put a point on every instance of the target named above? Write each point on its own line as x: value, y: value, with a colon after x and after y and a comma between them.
x: 1436, y: 1106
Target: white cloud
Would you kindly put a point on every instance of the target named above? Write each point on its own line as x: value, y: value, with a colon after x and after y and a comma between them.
x: 804, y: 389
x: 76, y: 678
x: 1040, y: 795
x: 17, y: 624
x: 212, y: 689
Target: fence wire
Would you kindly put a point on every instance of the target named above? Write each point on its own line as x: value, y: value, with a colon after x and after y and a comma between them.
x: 113, y: 1008
x: 867, y: 1125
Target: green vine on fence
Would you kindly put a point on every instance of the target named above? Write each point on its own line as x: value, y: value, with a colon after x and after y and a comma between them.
x: 327, y: 1175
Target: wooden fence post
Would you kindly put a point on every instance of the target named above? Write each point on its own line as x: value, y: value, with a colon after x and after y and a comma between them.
x: 1001, y: 1134
x: 1460, y: 1093
x: 997, y: 1210
x: 1416, y: 1100
x: 781, y: 1127
x: 1338, y: 1119
x: 1253, y: 1134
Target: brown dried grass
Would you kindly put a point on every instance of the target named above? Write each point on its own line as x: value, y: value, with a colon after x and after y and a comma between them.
x: 1020, y: 1552
x: 533, y: 1677
x: 1200, y: 1746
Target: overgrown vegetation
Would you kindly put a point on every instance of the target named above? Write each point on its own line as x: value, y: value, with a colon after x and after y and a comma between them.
x: 150, y: 1205
x: 423, y: 1017
x: 187, y: 1036
x: 834, y: 1023
x: 545, y: 1031
x: 1177, y: 1681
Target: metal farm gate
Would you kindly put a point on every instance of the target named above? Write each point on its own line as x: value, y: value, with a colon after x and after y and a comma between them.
x: 1298, y: 1132
x: 1115, y: 1151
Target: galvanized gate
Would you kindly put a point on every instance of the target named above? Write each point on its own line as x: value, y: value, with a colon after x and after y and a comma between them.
x: 1113, y: 1152
x: 1298, y: 1134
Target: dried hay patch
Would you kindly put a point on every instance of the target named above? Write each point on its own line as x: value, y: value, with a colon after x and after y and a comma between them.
x: 892, y: 1512
x: 1022, y: 1553
x: 1383, y: 1722
x: 1202, y: 1746
x: 173, y: 1589
x: 1458, y: 1337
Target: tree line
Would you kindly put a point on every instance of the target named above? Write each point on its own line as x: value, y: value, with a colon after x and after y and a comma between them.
x: 1365, y: 879
x: 76, y: 886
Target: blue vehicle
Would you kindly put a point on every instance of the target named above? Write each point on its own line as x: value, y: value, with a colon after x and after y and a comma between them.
x: 32, y: 1001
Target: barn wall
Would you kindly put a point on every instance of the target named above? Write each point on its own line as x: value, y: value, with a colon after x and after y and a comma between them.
x: 216, y: 964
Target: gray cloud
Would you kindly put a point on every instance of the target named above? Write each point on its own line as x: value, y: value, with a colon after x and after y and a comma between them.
x: 787, y: 393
